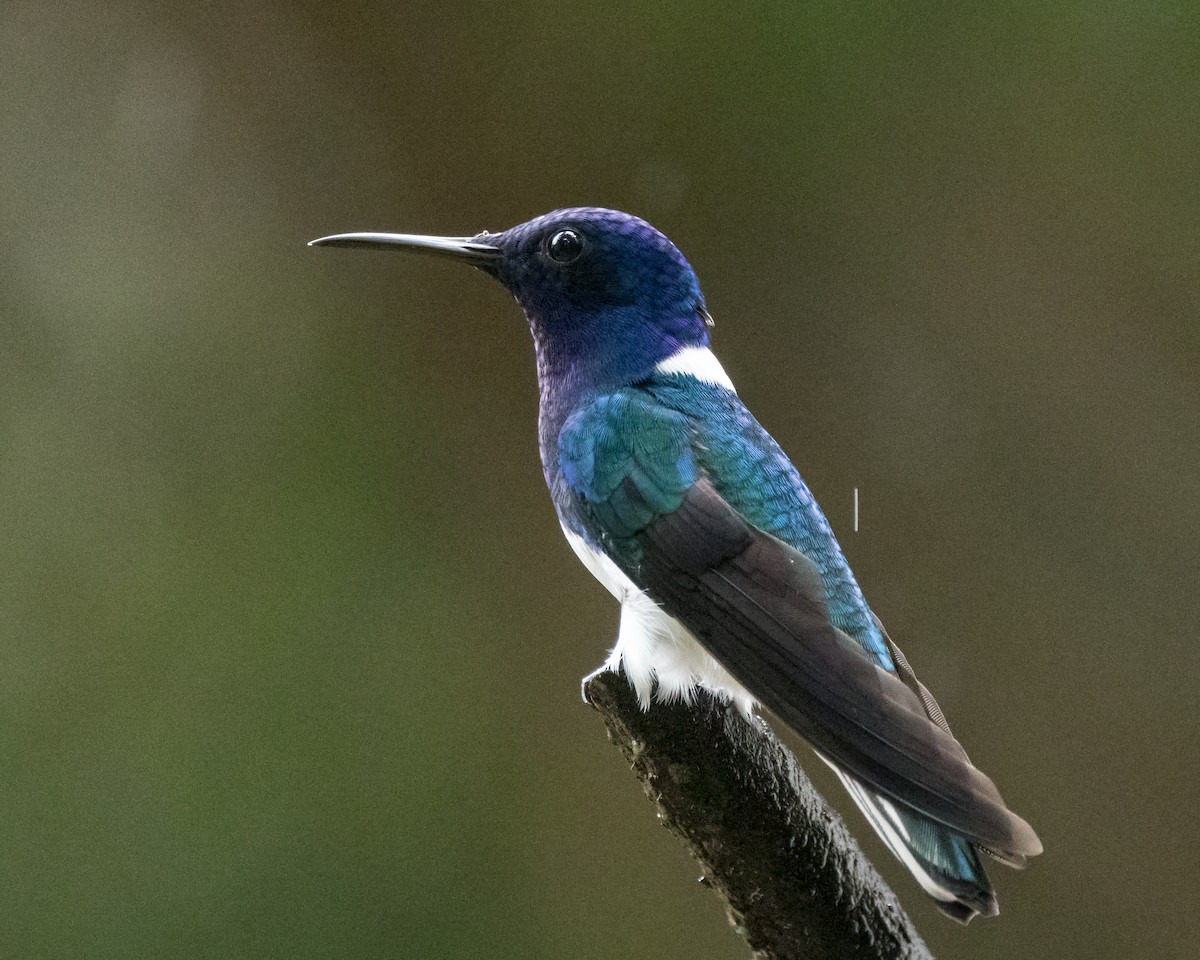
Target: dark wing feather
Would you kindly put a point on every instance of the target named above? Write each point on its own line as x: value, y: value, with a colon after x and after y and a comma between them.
x: 758, y: 606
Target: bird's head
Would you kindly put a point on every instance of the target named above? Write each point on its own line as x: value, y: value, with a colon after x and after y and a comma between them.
x: 607, y: 296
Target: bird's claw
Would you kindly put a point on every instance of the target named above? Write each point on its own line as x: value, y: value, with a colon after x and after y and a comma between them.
x: 603, y: 668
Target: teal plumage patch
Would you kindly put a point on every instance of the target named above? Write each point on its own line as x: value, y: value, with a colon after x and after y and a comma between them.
x: 629, y: 459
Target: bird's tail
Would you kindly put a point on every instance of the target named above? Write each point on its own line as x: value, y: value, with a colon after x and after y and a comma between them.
x: 945, y: 863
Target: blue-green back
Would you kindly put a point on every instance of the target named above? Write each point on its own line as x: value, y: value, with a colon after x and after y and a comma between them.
x: 667, y: 430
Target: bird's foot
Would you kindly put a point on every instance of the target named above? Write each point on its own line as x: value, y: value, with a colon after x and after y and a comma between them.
x: 603, y: 668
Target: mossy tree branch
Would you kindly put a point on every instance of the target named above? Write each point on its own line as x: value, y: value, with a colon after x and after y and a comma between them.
x: 794, y: 882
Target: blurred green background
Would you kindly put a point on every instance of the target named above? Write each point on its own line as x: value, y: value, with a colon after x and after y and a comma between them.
x: 289, y: 638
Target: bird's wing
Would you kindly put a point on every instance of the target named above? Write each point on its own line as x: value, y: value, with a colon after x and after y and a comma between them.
x: 758, y: 606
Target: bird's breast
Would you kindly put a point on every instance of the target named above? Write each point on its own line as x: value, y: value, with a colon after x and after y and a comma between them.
x: 660, y: 657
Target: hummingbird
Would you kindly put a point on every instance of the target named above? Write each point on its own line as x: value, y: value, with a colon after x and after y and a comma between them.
x: 728, y: 574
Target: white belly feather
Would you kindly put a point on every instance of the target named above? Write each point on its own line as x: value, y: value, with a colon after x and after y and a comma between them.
x: 654, y: 646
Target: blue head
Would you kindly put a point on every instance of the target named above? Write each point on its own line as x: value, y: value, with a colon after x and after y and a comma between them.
x: 607, y: 296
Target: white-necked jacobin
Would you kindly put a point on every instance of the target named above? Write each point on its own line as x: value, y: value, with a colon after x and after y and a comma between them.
x: 727, y: 572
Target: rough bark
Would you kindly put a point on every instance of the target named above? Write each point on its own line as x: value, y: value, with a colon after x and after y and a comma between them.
x: 794, y: 882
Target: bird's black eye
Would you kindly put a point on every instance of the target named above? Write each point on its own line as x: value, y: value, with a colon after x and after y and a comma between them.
x: 565, y: 246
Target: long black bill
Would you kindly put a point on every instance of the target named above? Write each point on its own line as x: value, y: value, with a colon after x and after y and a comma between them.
x: 471, y: 249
